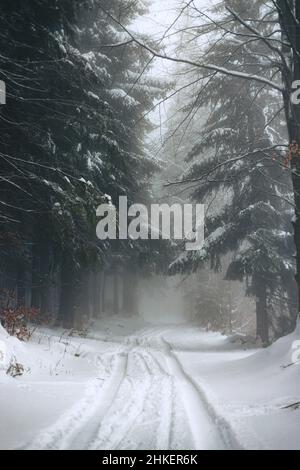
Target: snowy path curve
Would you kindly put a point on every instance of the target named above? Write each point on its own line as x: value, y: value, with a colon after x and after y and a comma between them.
x: 144, y: 400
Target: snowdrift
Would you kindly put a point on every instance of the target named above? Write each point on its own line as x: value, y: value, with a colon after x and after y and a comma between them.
x: 11, y: 351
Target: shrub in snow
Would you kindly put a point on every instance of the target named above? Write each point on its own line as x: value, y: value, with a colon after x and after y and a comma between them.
x: 15, y: 369
x: 14, y: 318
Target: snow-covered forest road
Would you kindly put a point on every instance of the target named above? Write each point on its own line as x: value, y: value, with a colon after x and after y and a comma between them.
x: 131, y: 386
x: 146, y: 401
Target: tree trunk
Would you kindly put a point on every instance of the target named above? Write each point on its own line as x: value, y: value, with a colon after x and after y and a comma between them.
x: 230, y: 307
x: 21, y: 286
x: 291, y: 33
x: 103, y: 297
x: 46, y: 288
x: 262, y: 320
x: 101, y: 293
x: 69, y: 292
x: 36, y: 277
x: 45, y: 280
x: 89, y: 303
x: 130, y: 294
x: 116, y: 293
x: 96, y: 292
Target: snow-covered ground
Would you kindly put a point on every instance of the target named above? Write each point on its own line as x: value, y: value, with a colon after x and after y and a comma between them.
x: 132, y: 385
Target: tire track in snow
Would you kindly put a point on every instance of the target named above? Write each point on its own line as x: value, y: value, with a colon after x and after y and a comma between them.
x: 86, y: 437
x: 151, y: 427
x: 218, y: 434
x: 128, y: 440
x: 148, y: 402
x: 81, y: 438
x: 141, y: 415
x: 127, y: 406
x: 98, y: 397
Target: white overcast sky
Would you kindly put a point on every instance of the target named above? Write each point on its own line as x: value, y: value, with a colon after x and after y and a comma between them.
x: 161, y: 15
x: 159, y: 18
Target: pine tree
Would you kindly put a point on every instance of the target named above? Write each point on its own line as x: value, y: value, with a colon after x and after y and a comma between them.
x: 235, y: 160
x: 71, y: 132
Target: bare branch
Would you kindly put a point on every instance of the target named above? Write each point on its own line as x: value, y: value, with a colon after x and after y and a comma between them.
x: 226, y: 162
x: 213, y: 67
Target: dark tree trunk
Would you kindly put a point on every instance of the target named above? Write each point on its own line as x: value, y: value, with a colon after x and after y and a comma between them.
x: 70, y: 287
x: 46, y: 288
x: 96, y: 292
x: 36, y: 277
x: 130, y: 294
x: 89, y: 304
x: 289, y: 16
x: 101, y: 293
x: 21, y: 286
x: 45, y: 280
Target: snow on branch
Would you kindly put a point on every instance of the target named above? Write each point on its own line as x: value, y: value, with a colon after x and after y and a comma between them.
x: 216, y: 68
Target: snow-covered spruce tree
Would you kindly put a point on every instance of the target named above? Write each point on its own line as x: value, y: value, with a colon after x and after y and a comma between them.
x: 252, y: 221
x: 71, y: 132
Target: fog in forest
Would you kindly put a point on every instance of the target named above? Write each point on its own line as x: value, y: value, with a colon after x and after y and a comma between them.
x: 149, y: 225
